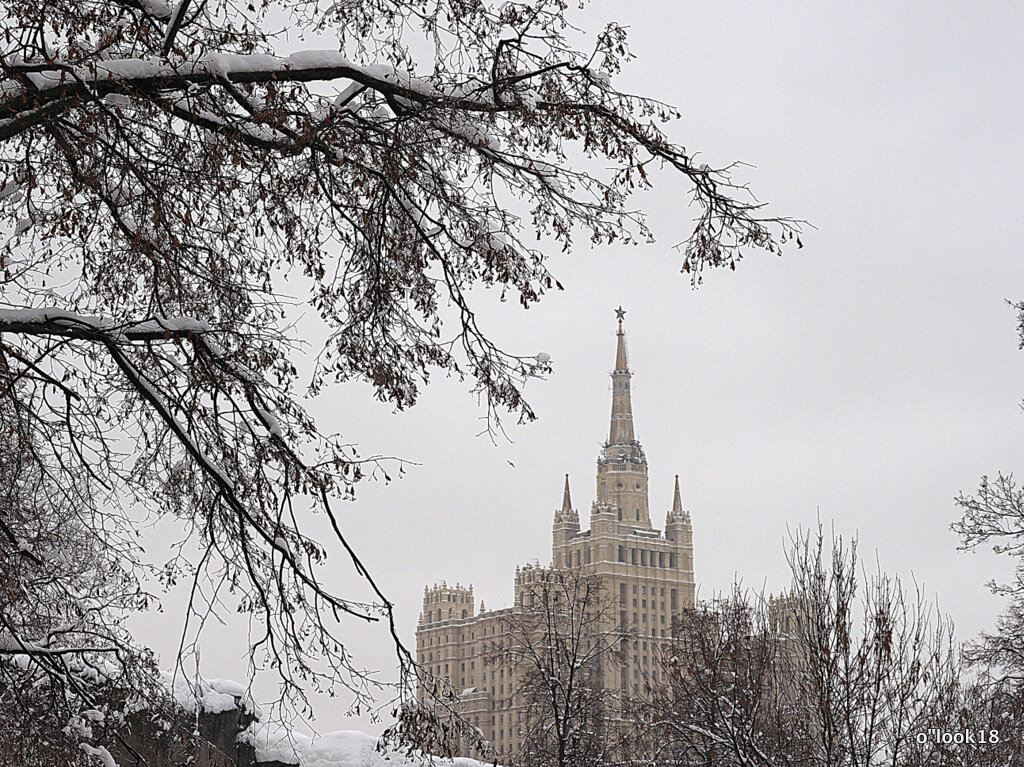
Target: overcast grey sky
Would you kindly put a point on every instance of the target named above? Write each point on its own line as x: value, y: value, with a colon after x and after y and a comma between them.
x: 865, y: 379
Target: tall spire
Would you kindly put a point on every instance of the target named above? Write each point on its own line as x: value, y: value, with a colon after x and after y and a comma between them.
x: 620, y: 353
x: 677, y: 503
x: 621, y: 465
x: 566, y: 500
x: 621, y: 431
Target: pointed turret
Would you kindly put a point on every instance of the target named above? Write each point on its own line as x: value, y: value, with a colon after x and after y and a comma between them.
x: 567, y: 521
x: 677, y: 521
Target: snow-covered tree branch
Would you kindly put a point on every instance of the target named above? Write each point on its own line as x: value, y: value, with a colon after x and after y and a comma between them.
x: 171, y: 176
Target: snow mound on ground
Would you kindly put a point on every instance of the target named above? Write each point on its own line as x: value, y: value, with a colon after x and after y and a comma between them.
x: 345, y: 748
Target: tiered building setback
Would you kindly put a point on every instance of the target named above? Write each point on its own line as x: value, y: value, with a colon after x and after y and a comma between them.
x: 647, y: 571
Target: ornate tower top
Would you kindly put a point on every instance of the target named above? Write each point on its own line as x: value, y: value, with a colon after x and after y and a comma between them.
x: 622, y: 465
x: 566, y: 499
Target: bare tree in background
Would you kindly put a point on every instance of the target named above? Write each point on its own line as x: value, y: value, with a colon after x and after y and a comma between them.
x: 994, y: 516
x: 170, y: 177
x: 722, y: 694
x: 874, y: 661
x: 563, y: 645
x: 835, y: 673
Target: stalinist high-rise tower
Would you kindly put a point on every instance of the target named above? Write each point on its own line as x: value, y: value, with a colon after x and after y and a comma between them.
x: 647, y: 571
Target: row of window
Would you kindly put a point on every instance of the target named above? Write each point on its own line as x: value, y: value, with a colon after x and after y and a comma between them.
x: 647, y: 558
x: 443, y: 615
x: 654, y: 619
x: 642, y: 557
x: 673, y: 596
x: 446, y: 639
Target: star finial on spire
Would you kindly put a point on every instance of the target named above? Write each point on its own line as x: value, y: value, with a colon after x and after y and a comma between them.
x: 620, y: 313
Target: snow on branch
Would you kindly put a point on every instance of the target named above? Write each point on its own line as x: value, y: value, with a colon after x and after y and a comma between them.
x: 33, y: 87
x: 13, y: 645
x: 59, y: 322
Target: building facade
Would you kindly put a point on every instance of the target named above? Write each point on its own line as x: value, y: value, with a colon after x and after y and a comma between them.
x: 646, y: 573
